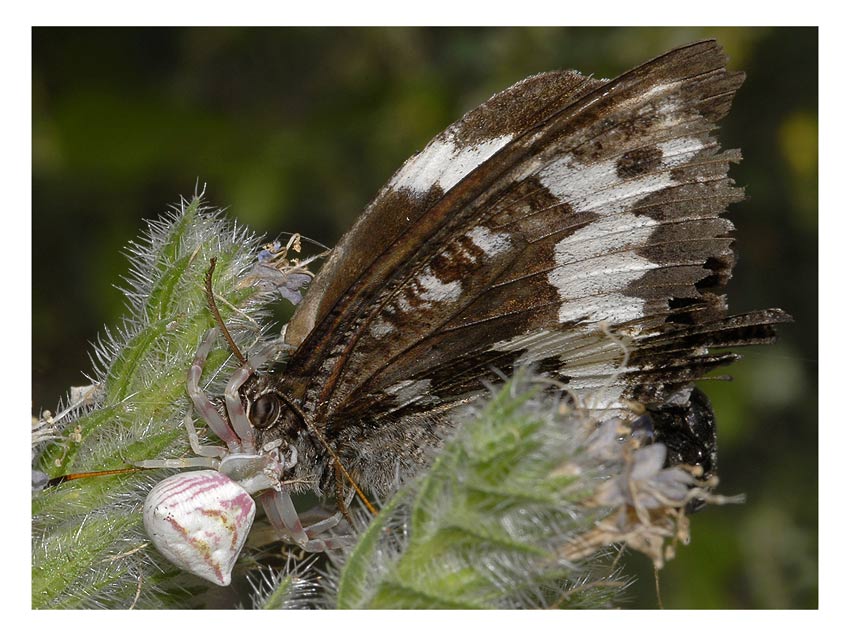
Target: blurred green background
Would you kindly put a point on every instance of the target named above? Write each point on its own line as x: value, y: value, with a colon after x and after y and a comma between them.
x: 296, y: 129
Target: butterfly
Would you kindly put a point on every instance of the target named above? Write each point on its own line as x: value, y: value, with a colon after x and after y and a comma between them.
x: 563, y: 221
x: 570, y: 224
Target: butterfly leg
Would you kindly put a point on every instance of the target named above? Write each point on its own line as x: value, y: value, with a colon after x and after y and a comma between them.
x: 202, y: 403
x: 283, y: 516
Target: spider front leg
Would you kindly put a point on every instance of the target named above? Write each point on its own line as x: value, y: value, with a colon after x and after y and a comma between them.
x: 238, y: 435
x: 233, y: 401
x: 195, y: 443
x: 284, y: 518
x: 205, y: 408
x: 208, y: 456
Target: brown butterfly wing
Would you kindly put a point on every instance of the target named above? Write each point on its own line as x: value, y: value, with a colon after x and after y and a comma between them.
x: 560, y: 221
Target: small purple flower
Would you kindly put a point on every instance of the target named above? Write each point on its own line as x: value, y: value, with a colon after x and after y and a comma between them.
x: 269, y: 252
x: 287, y: 283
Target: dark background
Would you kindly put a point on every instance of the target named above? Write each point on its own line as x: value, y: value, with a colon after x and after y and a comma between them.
x: 296, y: 129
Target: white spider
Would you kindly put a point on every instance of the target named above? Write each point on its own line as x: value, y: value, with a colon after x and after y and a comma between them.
x: 199, y: 520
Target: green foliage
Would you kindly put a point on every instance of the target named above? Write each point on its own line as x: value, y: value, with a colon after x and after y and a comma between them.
x: 295, y: 586
x: 89, y: 549
x: 485, y: 526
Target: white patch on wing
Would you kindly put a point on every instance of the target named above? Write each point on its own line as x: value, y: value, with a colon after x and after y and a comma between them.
x: 679, y: 151
x: 598, y: 261
x: 598, y: 384
x: 433, y: 289
x: 602, y: 237
x: 597, y: 187
x: 659, y: 88
x: 402, y: 304
x: 380, y: 328
x: 444, y: 163
x: 328, y: 365
x: 418, y: 295
x: 491, y: 243
x: 592, y: 361
x: 408, y: 391
x: 537, y: 345
x: 595, y: 264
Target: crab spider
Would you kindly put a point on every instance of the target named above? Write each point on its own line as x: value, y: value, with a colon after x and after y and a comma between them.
x: 199, y: 520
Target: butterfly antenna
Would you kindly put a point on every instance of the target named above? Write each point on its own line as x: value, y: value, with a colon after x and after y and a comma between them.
x: 343, y: 470
x: 214, y: 310
x: 96, y: 473
x: 337, y: 461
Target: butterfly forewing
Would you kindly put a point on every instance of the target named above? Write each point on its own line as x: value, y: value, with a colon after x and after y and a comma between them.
x: 385, y: 224
x: 562, y: 222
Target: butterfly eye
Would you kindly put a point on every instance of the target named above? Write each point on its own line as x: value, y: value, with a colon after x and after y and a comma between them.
x: 265, y: 411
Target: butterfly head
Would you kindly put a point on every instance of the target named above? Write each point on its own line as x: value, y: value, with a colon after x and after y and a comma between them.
x: 279, y: 423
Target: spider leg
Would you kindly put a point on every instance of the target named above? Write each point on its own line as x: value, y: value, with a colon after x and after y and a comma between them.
x: 323, y: 526
x: 233, y: 401
x: 202, y: 403
x: 194, y: 442
x: 235, y: 409
x: 183, y: 462
x: 284, y: 518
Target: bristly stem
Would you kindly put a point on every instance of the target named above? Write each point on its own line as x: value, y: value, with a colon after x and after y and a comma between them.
x: 89, y: 549
x: 481, y: 527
